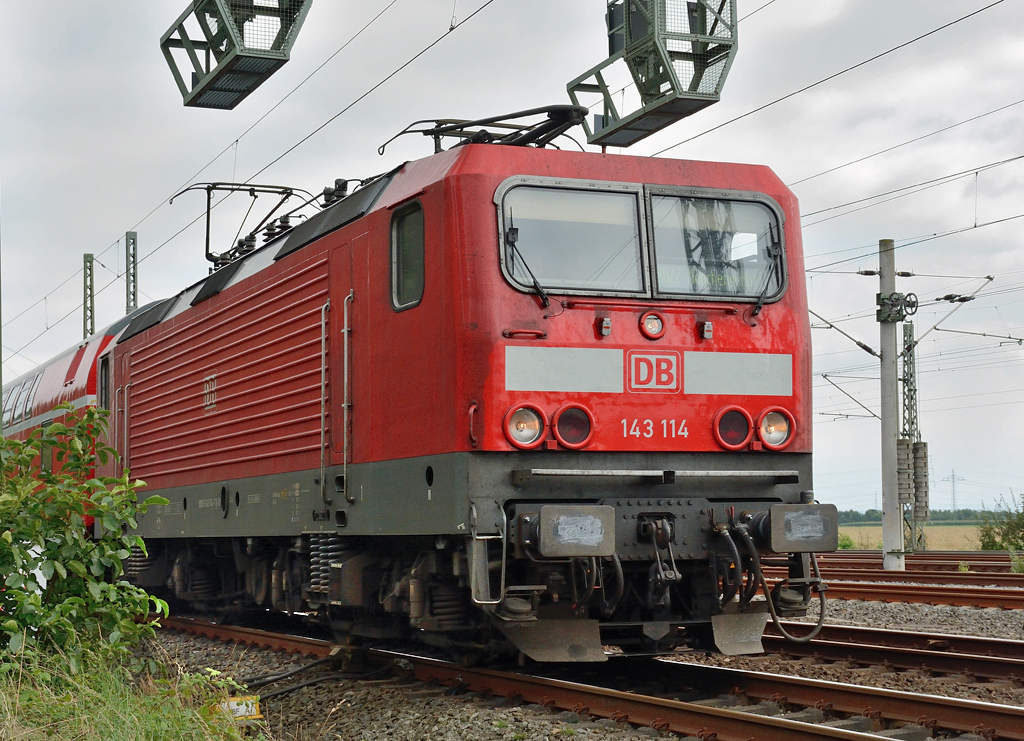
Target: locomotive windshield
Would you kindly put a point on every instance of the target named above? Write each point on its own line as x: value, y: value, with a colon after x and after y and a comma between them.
x: 711, y: 247
x: 591, y: 241
x: 575, y: 239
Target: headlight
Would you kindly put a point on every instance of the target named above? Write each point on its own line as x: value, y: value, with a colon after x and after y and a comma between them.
x: 573, y: 426
x: 524, y: 426
x: 775, y: 428
x: 652, y: 325
x: 733, y: 428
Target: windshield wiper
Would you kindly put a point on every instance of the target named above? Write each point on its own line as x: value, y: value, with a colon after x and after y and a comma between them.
x: 774, y: 250
x: 511, y: 237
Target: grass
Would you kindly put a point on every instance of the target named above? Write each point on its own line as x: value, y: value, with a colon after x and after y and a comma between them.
x: 107, y: 704
x: 938, y: 537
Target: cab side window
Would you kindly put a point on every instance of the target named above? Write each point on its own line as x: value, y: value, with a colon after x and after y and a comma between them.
x: 104, y: 382
x: 407, y: 258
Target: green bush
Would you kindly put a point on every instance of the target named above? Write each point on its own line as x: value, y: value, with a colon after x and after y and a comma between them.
x: 45, y: 701
x: 62, y: 590
x: 846, y: 542
x: 1003, y: 530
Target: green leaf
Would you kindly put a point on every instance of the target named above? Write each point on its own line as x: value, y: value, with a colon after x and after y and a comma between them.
x: 59, y: 567
x: 78, y: 567
x: 153, y: 500
x: 94, y: 590
x: 47, y: 569
x: 15, y: 581
x: 11, y: 626
x: 16, y: 642
x: 7, y: 536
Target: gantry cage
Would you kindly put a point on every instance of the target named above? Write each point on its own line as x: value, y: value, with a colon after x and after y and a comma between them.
x: 233, y: 47
x: 677, y: 53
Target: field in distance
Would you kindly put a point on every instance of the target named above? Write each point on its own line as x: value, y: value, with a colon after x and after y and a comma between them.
x: 937, y: 537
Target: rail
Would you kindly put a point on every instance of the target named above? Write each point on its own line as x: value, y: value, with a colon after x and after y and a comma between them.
x: 867, y: 708
x: 975, y: 656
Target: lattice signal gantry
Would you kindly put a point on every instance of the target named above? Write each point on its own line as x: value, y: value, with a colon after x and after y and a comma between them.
x: 219, y: 51
x: 670, y: 59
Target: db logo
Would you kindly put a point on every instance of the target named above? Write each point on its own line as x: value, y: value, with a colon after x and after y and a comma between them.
x: 654, y: 371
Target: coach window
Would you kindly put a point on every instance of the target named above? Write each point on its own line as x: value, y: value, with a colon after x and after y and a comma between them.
x: 24, y: 410
x: 19, y: 406
x: 9, y: 405
x: 407, y: 257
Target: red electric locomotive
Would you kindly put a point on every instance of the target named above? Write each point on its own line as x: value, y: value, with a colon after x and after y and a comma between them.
x: 503, y: 398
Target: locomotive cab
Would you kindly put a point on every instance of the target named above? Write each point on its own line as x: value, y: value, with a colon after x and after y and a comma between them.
x: 646, y: 410
x: 501, y: 399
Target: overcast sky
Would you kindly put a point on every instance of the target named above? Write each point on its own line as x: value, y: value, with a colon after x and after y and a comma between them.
x: 94, y: 139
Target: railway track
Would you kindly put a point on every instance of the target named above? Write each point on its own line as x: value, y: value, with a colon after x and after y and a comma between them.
x: 970, y: 656
x: 689, y: 699
x: 917, y: 576
x: 928, y: 594
x: 975, y: 561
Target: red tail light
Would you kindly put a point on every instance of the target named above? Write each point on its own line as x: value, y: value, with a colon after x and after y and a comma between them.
x: 573, y: 426
x: 733, y: 428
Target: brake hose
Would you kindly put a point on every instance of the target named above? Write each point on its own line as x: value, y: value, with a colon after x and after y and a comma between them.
x: 768, y: 597
x: 591, y: 580
x: 733, y: 584
x: 750, y: 588
x: 608, y: 606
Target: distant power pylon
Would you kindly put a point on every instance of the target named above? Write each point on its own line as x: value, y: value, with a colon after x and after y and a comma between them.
x: 952, y: 479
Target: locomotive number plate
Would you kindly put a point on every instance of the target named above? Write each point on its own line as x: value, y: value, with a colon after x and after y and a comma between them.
x: 666, y: 428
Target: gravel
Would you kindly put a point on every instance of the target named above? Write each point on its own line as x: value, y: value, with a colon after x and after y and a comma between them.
x: 381, y: 709
x: 388, y: 709
x: 988, y: 622
x: 973, y: 621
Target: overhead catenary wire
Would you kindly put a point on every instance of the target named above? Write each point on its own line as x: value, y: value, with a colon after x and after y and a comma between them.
x: 939, y: 235
x: 755, y: 10
x: 931, y: 182
x: 348, y: 107
x: 903, y: 144
x: 108, y: 285
x: 334, y: 117
x: 232, y: 145
x: 830, y: 77
x: 286, y: 152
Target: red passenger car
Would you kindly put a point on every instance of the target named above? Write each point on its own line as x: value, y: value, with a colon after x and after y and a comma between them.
x: 501, y: 398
